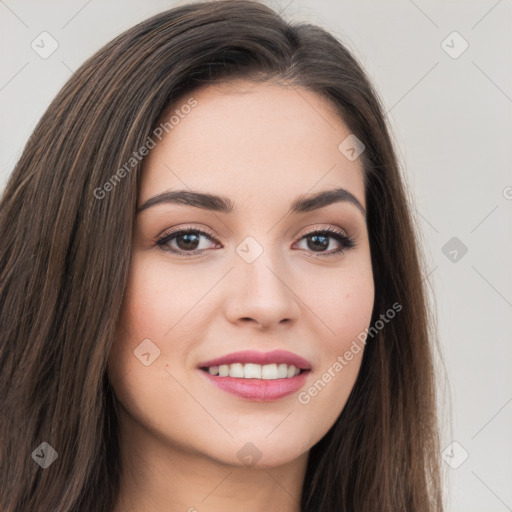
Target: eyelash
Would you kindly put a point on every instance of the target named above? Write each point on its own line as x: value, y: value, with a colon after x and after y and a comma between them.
x: 346, y: 242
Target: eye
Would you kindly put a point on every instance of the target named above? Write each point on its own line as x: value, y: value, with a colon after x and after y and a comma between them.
x: 186, y: 239
x: 318, y: 241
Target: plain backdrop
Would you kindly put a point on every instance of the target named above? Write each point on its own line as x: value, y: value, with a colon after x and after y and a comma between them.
x: 443, y: 71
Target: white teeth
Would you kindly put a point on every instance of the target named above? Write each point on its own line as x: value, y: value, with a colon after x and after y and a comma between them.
x: 236, y: 370
x: 252, y: 371
x: 282, y: 371
x: 255, y: 371
x: 269, y: 371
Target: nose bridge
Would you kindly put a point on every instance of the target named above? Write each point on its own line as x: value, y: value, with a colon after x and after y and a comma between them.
x: 262, y: 291
x: 259, y: 264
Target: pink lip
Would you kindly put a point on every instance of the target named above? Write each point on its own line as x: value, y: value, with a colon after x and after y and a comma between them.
x: 252, y: 356
x: 259, y: 390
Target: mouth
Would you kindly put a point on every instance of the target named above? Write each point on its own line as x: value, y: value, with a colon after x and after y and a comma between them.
x: 258, y: 376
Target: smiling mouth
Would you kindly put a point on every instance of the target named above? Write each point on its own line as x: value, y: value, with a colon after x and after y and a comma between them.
x: 255, y: 371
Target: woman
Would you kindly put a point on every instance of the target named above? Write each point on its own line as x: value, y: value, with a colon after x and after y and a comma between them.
x: 211, y: 289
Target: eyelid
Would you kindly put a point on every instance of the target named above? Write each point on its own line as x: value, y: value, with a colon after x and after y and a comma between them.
x: 314, y: 228
x: 170, y: 231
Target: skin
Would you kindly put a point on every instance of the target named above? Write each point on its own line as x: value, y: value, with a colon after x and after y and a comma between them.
x: 262, y: 145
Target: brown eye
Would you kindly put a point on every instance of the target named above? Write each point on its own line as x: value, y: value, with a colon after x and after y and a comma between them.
x: 319, y: 241
x: 185, y: 242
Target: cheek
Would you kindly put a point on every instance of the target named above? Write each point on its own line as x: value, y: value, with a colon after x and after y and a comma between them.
x: 143, y: 317
x: 350, y: 309
x: 345, y: 311
x: 350, y: 314
x: 341, y: 302
x: 153, y: 304
x: 158, y: 297
x: 160, y: 305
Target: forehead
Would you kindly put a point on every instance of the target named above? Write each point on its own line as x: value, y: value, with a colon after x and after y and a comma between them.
x: 245, y: 140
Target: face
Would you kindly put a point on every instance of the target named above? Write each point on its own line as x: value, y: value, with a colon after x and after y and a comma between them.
x: 207, y: 281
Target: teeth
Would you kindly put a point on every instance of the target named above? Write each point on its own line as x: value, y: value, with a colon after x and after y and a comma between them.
x: 282, y: 371
x: 255, y: 371
x: 252, y: 371
x: 236, y: 370
x: 269, y: 371
x: 291, y: 371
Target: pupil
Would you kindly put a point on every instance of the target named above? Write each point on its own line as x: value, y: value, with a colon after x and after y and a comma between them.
x: 322, y: 245
x: 188, y: 241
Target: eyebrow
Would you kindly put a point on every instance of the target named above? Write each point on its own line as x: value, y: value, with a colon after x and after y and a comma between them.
x: 222, y: 204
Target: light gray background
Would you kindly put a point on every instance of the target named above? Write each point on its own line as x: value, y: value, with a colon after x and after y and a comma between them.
x: 451, y: 119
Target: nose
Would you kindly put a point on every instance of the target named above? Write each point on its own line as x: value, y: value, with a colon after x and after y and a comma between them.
x: 261, y: 293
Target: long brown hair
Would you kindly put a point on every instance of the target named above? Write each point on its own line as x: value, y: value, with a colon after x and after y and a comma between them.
x: 65, y: 254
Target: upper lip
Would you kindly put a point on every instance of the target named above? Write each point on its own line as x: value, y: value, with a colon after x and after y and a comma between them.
x: 262, y: 358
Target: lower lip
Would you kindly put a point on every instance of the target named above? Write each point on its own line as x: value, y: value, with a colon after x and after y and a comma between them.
x: 261, y: 390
